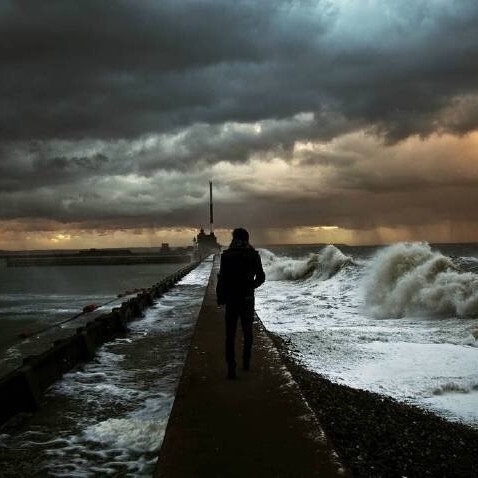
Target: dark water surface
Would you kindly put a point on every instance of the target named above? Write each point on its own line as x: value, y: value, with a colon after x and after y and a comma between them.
x: 33, y: 297
x: 108, y: 417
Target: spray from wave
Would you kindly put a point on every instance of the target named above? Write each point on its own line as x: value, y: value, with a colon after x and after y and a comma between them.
x: 321, y: 265
x: 453, y: 387
x: 409, y: 279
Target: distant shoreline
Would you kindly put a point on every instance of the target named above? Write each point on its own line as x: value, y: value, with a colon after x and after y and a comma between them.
x: 78, y: 260
x: 107, y: 250
x: 136, y: 250
x: 377, y: 436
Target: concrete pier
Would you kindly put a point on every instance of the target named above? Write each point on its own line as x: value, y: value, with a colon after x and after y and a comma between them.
x: 257, y: 425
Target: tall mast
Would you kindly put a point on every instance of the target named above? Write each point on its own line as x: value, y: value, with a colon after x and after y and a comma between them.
x: 211, y: 217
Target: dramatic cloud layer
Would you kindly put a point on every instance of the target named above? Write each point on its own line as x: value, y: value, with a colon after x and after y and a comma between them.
x: 355, y: 114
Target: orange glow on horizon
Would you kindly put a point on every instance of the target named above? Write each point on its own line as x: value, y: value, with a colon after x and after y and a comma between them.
x: 74, y: 239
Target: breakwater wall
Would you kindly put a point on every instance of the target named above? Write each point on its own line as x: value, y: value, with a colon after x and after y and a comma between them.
x: 84, y: 260
x: 22, y: 389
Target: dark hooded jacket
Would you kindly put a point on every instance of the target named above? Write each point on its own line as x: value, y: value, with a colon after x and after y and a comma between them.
x: 240, y: 273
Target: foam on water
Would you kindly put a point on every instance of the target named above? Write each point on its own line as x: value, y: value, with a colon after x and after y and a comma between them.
x: 128, y: 433
x: 411, y: 279
x: 321, y: 265
x: 425, y: 340
x: 129, y: 443
x: 118, y: 405
x: 453, y: 387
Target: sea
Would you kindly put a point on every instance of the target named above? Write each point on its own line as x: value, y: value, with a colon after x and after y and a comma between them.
x: 106, y: 417
x: 399, y: 320
x: 32, y: 298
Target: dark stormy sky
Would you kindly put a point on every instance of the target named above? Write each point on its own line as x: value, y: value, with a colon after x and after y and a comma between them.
x: 318, y: 120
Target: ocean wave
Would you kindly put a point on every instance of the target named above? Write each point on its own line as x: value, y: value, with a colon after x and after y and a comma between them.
x: 469, y: 258
x: 321, y: 265
x: 468, y: 264
x: 452, y: 387
x: 409, y: 279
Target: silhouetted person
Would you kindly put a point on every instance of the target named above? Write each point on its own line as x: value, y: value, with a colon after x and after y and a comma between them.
x: 240, y: 273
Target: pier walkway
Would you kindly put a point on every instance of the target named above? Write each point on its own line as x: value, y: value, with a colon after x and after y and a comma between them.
x: 257, y: 425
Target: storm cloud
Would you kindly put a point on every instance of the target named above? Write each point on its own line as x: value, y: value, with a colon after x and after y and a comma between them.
x: 115, y: 114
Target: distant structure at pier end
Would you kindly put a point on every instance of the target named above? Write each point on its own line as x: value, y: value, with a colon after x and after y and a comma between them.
x: 207, y: 244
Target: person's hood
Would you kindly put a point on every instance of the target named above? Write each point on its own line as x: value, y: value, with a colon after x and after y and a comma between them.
x: 238, y: 244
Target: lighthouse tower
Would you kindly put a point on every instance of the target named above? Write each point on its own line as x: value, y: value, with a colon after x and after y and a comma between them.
x: 207, y: 243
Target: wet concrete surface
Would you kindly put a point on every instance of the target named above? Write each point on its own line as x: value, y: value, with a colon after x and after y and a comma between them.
x: 257, y: 425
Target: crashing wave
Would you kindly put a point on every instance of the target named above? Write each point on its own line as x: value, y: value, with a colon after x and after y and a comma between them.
x: 452, y: 387
x: 321, y: 265
x: 409, y: 278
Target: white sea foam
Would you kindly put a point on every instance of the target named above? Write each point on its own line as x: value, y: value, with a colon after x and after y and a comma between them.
x: 122, y: 399
x: 424, y: 357
x: 198, y: 276
x: 138, y: 435
x: 453, y: 387
x: 321, y: 265
x: 409, y: 279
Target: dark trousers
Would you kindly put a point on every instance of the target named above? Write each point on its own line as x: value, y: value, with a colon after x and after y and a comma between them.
x: 241, y: 309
